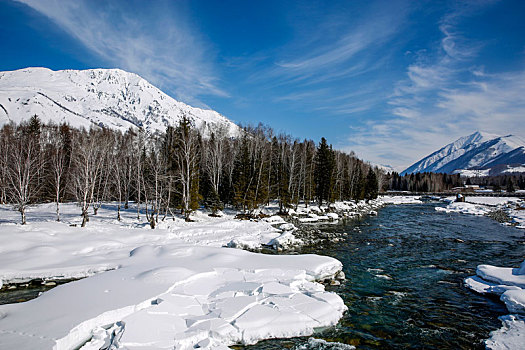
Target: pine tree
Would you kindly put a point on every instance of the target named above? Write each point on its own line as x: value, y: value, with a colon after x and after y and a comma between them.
x: 324, y: 179
x: 358, y: 188
x: 371, y: 186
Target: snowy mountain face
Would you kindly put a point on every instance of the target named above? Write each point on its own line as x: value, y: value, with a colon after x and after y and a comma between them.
x: 110, y: 98
x: 477, y: 153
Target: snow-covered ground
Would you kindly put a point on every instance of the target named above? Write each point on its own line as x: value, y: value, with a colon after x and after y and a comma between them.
x: 514, y: 207
x: 172, y: 287
x: 400, y: 199
x: 509, y: 284
x: 347, y: 209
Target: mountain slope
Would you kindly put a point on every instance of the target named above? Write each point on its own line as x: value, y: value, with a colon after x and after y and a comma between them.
x: 109, y: 98
x: 477, y: 151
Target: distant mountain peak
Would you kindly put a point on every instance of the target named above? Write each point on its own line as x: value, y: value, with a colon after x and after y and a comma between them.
x: 477, y: 151
x: 111, y: 98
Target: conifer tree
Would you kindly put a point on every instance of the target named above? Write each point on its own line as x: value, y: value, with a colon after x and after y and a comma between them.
x: 324, y: 169
x: 371, y: 186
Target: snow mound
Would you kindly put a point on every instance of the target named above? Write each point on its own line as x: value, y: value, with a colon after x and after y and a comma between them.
x: 400, y: 199
x: 510, y: 336
x: 161, y: 299
x: 286, y: 240
x: 464, y: 208
x: 509, y: 284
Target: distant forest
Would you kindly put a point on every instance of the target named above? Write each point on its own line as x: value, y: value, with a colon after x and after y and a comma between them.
x: 436, y: 182
x: 179, y: 170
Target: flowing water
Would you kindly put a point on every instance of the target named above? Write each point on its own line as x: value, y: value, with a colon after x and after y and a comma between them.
x: 404, y: 287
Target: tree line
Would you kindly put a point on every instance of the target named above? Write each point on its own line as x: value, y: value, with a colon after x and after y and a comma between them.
x: 441, y: 182
x: 178, y: 170
x: 423, y: 182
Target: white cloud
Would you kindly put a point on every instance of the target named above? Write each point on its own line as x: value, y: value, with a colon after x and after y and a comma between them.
x: 153, y: 41
x: 443, y: 97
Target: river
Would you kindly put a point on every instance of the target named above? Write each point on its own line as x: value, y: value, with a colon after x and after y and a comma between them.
x: 404, y: 287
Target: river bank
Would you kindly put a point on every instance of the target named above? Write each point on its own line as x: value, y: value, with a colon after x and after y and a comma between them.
x: 506, y: 210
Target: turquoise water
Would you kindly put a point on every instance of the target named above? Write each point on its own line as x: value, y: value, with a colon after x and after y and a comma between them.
x: 405, y: 270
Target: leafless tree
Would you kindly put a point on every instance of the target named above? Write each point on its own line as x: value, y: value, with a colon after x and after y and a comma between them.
x: 186, y: 156
x: 23, y: 168
x: 154, y: 184
x: 59, y: 162
x: 88, y: 159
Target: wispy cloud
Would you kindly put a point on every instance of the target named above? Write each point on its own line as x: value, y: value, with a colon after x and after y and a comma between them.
x: 333, y: 66
x: 348, y: 53
x: 445, y: 95
x: 155, y: 42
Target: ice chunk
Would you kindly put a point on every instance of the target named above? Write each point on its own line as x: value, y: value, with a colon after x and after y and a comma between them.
x: 510, y: 336
x: 515, y: 301
x: 276, y: 288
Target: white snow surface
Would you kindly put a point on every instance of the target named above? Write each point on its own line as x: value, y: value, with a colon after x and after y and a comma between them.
x: 513, y: 206
x: 509, y: 284
x: 510, y: 336
x: 174, y: 287
x: 400, y: 199
x: 516, y: 169
x: 111, y: 98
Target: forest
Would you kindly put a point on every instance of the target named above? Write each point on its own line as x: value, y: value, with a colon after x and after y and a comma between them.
x: 440, y: 182
x: 177, y: 171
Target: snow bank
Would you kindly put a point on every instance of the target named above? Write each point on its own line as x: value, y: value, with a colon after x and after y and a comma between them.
x: 509, y: 284
x: 180, y: 297
x: 464, y: 208
x: 512, y: 206
x: 494, y: 201
x: 172, y: 287
x: 286, y: 240
x: 400, y: 199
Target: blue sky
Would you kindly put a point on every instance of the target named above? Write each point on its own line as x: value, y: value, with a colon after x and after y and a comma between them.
x: 390, y: 80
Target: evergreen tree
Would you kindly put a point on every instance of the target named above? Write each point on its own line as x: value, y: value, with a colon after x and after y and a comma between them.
x: 324, y: 168
x: 371, y: 185
x: 358, y: 187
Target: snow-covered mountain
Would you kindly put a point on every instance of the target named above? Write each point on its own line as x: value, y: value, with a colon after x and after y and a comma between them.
x: 479, y: 153
x: 110, y: 98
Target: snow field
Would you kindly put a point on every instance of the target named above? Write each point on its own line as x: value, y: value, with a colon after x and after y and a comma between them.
x: 173, y: 287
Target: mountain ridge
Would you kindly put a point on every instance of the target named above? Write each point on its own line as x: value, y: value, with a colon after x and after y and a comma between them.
x: 478, y: 151
x: 110, y: 98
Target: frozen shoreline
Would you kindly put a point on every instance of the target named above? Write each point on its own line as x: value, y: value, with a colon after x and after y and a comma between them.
x: 513, y: 207
x: 509, y: 285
